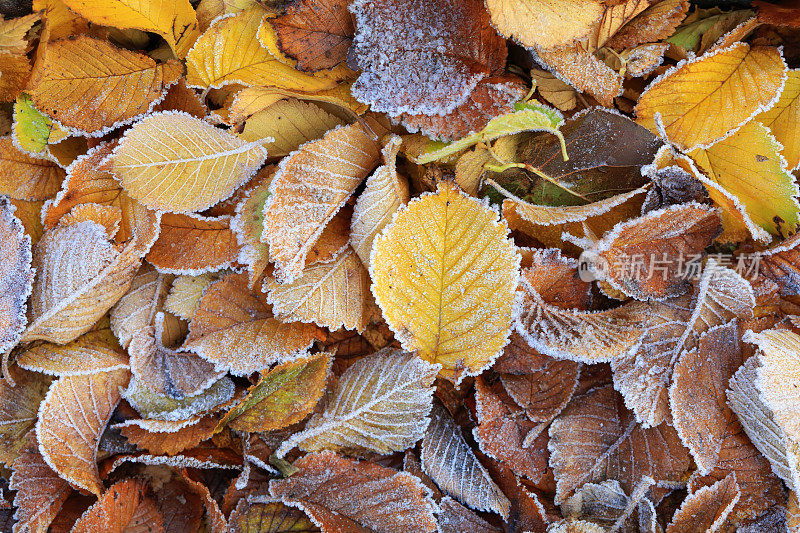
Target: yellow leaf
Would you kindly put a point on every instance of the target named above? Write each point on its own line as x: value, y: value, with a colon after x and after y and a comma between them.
x: 544, y: 23
x: 333, y: 294
x: 15, y: 69
x: 184, y: 296
x: 783, y: 118
x: 445, y: 275
x: 310, y: 187
x: 175, y: 20
x: 554, y: 90
x: 72, y: 419
x: 699, y: 102
x: 23, y: 177
x: 229, y: 52
x: 33, y: 130
x: 174, y: 162
x: 95, y: 351
x: 30, y: 214
x: 748, y: 164
x: 59, y: 21
x: 251, y: 100
x: 93, y: 86
x: 13, y: 31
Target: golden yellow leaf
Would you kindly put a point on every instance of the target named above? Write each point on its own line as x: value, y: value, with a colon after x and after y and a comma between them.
x: 655, y: 23
x: 749, y: 165
x: 554, y: 90
x: 251, y: 100
x: 783, y: 118
x: 16, y: 276
x: 30, y: 214
x: 15, y: 69
x: 701, y: 101
x: 174, y: 162
x: 193, y: 244
x: 445, y: 274
x: 72, y: 419
x: 235, y: 330
x: 333, y: 294
x: 93, y: 86
x: 310, y: 187
x: 584, y: 71
x: 59, y: 21
x: 229, y: 52
x: 19, y: 406
x: 184, y: 296
x: 13, y: 31
x: 290, y: 122
x: 615, y: 16
x: 23, y: 177
x: 175, y: 21
x: 95, y: 351
x: 179, y: 97
x: 108, y: 216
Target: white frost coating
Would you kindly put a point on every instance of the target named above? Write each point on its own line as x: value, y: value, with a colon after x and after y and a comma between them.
x: 158, y: 426
x: 16, y: 286
x: 761, y: 109
x: 722, y: 514
x: 197, y: 43
x: 138, y: 395
x: 178, y: 461
x: 44, y: 154
x: 214, y: 267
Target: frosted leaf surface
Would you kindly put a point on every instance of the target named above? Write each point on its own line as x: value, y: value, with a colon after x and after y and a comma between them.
x: 708, y: 508
x: 16, y: 276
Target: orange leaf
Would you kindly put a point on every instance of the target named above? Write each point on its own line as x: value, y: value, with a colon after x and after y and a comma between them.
x: 124, y: 507
x: 193, y: 244
x: 18, y: 410
x: 168, y: 437
x: 708, y: 508
x: 23, y: 177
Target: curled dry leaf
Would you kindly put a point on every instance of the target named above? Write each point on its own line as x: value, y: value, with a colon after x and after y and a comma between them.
x: 452, y: 465
x: 455, y: 518
x: 708, y: 508
x: 95, y: 351
x: 310, y: 187
x: 18, y: 410
x: 166, y: 436
x: 433, y: 72
x: 23, y: 177
x: 272, y: 517
x: 167, y: 161
x: 381, y: 403
x: 93, y: 86
x: 597, y: 438
x: 72, y: 418
x: 125, y: 506
x: 138, y: 307
x: 193, y: 244
x: 283, y: 396
x: 234, y: 329
x: 340, y: 494
x: 16, y: 276
x: 693, y: 118
x: 472, y: 294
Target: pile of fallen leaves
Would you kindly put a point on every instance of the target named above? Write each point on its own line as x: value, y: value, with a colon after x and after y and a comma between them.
x: 399, y: 266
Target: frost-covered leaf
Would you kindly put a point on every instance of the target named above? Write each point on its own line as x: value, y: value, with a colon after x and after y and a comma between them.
x: 673, y: 327
x: 655, y: 23
x: 455, y: 518
x: 177, y: 163
x: 453, y: 47
x: 18, y: 411
x: 342, y: 494
x: 248, y: 225
x: 138, y: 307
x: 447, y: 255
x: 16, y: 276
x: 602, y: 503
x: 633, y: 256
x: 193, y: 244
x: 555, y: 91
x: 72, y: 418
x: 228, y: 52
x: 750, y: 160
x: 333, y: 294
x: 161, y: 407
x: 381, y: 403
x: 385, y: 192
x: 166, y: 436
x: 700, y: 412
x: 310, y: 187
x: 782, y: 116
x: 93, y: 86
x: 23, y: 177
x: 184, y: 296
x: 597, y: 438
x: 40, y: 491
x: 125, y: 506
x: 272, y: 517
x: 450, y: 462
x: 95, y: 351
x: 693, y: 118
x: 583, y: 71
x: 283, y: 396
x: 544, y: 23
x: 708, y: 508
x: 234, y: 329
x: 33, y: 130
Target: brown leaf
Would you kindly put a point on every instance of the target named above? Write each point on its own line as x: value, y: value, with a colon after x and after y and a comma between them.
x: 315, y: 33
x: 234, y: 329
x: 584, y: 71
x: 168, y: 437
x: 193, y: 244
x: 349, y: 496
x: 138, y: 307
x: 124, y: 507
x: 708, y: 508
x: 597, y: 438
x: 19, y: 406
x: 16, y: 276
x: 780, y: 264
x: 72, y: 418
x: 455, y: 518
x: 23, y: 177
x: 655, y: 23
x: 273, y: 517
x: 453, y: 48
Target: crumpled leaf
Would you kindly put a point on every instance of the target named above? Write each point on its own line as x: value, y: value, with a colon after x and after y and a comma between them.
x: 95, y: 351
x: 23, y: 177
x: 193, y: 244
x: 125, y: 506
x: 309, y: 188
x: 451, y: 285
x: 176, y: 22
x: 453, y: 48
x: 161, y: 407
x: 93, y: 86
x: 388, y: 413
x: 450, y: 462
x: 283, y: 396
x: 597, y: 438
x: 178, y: 179
x: 782, y: 116
x: 16, y: 276
x: 229, y: 52
x: 330, y: 489
x: 692, y: 118
x: 72, y: 419
x: 138, y: 307
x: 18, y: 411
x: 708, y: 508
x: 234, y: 329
